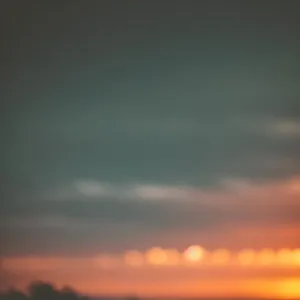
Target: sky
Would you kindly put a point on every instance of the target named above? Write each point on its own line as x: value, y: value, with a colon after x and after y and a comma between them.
x: 138, y: 124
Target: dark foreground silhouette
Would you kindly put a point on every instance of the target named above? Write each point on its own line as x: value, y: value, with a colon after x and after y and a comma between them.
x: 42, y: 291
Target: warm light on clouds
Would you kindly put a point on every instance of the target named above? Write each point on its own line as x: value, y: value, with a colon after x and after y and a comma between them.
x: 249, y: 215
x: 251, y: 270
x: 165, y: 258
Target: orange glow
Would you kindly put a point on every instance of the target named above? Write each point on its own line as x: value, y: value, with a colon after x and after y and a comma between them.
x: 156, y: 256
x: 173, y: 256
x: 194, y: 253
x: 106, y: 261
x: 134, y: 258
x: 289, y: 288
x: 285, y: 256
x: 294, y: 186
x: 266, y: 256
x: 129, y: 273
x: 246, y: 257
x: 220, y: 256
x: 296, y: 255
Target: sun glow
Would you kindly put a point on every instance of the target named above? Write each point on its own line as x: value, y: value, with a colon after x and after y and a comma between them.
x: 296, y: 256
x: 285, y: 256
x: 220, y: 257
x: 246, y: 257
x: 266, y: 257
x: 289, y: 288
x: 194, y: 254
x: 157, y: 264
x: 156, y: 256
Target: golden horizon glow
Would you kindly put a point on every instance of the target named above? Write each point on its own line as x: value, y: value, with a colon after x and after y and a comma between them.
x: 134, y: 258
x: 133, y: 274
x: 266, y: 256
x: 156, y: 256
x: 194, y: 253
x: 285, y: 256
x: 247, y: 257
x: 296, y: 254
x: 168, y: 257
x: 173, y: 257
x: 258, y: 260
x: 220, y: 256
x: 289, y: 288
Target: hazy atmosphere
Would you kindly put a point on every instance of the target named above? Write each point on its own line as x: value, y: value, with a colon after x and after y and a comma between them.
x: 128, y: 125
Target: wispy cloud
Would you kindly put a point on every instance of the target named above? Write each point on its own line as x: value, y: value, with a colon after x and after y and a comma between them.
x: 228, y: 191
x: 89, y: 203
x: 280, y: 127
x: 91, y: 189
x: 82, y: 213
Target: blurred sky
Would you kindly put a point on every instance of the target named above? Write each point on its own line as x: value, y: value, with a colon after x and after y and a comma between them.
x: 130, y: 124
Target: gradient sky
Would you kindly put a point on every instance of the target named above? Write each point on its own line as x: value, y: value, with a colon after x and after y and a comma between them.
x: 132, y: 124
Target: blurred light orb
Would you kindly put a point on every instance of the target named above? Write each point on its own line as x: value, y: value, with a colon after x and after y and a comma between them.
x: 156, y: 256
x: 194, y: 253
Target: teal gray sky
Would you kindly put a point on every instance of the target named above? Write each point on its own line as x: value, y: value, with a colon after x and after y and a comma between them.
x: 125, y: 122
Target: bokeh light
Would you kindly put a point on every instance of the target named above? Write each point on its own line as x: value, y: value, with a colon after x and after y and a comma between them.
x: 156, y: 256
x: 194, y: 253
